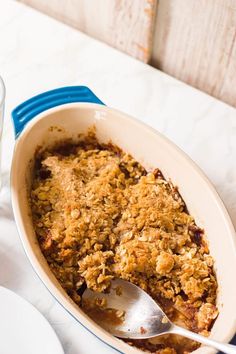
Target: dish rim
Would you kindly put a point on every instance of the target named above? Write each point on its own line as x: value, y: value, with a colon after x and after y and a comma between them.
x: 219, y: 203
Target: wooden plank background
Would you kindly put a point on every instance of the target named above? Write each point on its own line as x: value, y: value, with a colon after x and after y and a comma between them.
x: 194, y: 41
x: 124, y: 24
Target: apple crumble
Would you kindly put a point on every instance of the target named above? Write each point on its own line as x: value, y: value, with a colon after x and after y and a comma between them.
x: 98, y: 214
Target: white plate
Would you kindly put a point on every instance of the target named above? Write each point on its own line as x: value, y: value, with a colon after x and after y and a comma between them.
x: 23, y: 329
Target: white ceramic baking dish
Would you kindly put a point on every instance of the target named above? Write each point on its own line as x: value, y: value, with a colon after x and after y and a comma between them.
x: 72, y: 110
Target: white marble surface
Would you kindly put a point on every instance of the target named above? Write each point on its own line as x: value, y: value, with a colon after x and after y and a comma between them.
x: 37, y: 54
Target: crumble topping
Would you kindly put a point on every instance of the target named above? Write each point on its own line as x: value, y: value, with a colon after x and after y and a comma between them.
x: 98, y: 214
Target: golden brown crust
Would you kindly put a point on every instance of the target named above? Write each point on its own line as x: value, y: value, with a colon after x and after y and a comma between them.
x: 98, y: 214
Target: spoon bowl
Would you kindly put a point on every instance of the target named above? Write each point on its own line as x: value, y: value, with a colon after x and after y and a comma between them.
x: 143, y: 318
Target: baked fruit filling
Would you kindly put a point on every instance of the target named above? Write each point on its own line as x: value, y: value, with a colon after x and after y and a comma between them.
x: 98, y: 214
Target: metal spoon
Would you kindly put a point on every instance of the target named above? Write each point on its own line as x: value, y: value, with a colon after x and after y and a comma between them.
x: 143, y: 318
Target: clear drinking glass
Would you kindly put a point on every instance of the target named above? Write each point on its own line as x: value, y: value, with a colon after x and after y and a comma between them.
x: 2, y: 100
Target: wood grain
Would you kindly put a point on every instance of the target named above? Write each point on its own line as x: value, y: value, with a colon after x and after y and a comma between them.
x: 124, y: 24
x: 195, y: 41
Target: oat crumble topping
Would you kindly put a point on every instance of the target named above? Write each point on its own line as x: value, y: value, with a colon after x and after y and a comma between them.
x: 98, y: 214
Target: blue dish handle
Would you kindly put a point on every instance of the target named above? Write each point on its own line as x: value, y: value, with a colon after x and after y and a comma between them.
x: 27, y: 110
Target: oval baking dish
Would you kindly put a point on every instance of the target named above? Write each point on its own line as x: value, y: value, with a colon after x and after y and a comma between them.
x: 66, y: 112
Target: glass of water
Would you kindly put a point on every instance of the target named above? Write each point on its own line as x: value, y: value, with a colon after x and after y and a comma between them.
x: 2, y: 100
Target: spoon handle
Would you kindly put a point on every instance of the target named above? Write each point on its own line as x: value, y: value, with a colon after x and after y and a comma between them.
x: 226, y: 348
